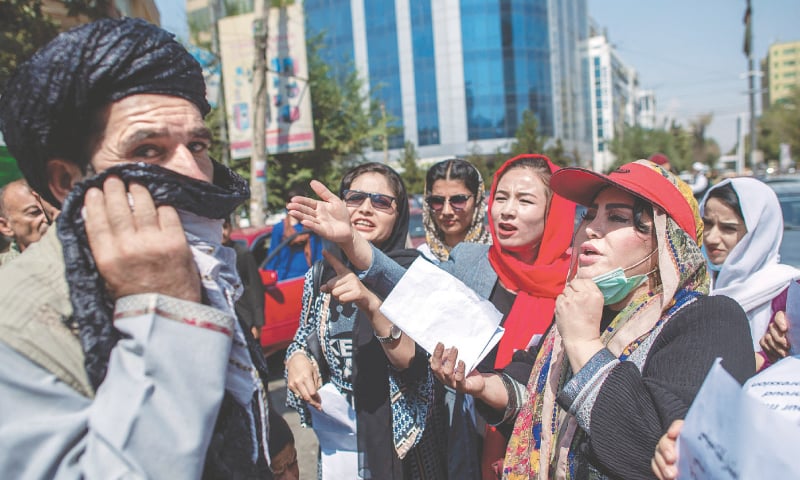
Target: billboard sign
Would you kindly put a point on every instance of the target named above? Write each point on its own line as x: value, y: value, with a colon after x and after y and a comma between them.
x: 289, y: 126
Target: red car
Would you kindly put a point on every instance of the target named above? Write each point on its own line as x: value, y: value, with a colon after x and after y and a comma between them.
x: 282, y: 299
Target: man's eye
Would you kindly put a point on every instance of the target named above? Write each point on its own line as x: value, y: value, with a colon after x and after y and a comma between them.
x: 146, y: 151
x: 198, y: 147
x: 618, y: 218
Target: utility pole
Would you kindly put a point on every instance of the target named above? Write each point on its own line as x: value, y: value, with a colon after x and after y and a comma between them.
x: 751, y: 75
x: 216, y: 12
x: 258, y: 158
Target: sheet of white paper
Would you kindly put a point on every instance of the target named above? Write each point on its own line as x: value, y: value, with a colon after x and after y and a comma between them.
x: 778, y: 387
x: 793, y: 315
x: 335, y: 427
x: 730, y: 433
x: 430, y: 306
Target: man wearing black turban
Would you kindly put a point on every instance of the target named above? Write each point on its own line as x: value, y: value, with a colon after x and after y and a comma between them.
x: 121, y: 352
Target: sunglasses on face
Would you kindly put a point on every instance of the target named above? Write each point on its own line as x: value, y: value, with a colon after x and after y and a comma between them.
x: 354, y: 198
x: 457, y: 202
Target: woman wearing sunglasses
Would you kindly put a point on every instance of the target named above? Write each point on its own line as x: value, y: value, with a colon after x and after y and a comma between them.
x: 455, y: 208
x: 521, y: 273
x: 343, y: 340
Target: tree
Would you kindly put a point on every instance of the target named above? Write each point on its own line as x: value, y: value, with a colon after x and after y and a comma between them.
x: 486, y: 164
x: 343, y: 129
x: 527, y: 138
x: 636, y: 143
x: 780, y: 123
x: 23, y: 30
x: 704, y: 150
x: 413, y: 176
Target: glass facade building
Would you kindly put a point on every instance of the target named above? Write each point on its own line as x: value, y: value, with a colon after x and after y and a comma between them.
x: 459, y: 74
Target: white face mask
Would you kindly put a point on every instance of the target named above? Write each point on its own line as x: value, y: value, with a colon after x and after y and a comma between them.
x: 615, y: 285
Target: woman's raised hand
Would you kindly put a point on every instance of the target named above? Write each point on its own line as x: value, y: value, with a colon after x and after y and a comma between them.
x: 346, y: 287
x: 327, y: 217
x: 775, y: 342
x: 579, y: 309
x: 665, y: 460
x: 450, y: 371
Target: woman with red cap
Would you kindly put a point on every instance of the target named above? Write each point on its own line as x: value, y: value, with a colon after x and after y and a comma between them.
x: 521, y: 273
x: 635, y: 333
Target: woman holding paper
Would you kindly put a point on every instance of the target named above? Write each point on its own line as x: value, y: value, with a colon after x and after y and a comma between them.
x: 636, y: 334
x: 521, y: 273
x: 743, y: 229
x: 455, y: 208
x: 343, y: 341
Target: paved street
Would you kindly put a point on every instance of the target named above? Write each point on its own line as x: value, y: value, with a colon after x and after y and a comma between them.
x: 305, y: 440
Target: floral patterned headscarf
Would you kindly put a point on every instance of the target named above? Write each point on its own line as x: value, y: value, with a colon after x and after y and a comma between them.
x: 544, y: 434
x: 476, y: 233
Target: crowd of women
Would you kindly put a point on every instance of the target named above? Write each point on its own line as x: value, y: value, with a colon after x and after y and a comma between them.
x: 610, y: 326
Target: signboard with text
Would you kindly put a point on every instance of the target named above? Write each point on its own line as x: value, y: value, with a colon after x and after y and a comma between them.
x: 289, y: 126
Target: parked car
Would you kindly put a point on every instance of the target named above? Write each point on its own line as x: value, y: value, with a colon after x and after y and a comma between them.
x: 282, y: 298
x: 788, y: 192
x: 416, y: 231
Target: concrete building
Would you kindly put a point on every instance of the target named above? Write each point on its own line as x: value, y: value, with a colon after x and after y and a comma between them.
x: 616, y: 100
x: 613, y: 98
x: 457, y: 75
x: 646, y: 109
x: 781, y: 70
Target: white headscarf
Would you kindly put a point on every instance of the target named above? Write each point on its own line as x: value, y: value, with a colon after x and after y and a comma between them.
x: 752, y: 274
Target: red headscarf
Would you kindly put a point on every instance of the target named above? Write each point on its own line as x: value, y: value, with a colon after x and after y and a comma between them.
x: 537, y: 285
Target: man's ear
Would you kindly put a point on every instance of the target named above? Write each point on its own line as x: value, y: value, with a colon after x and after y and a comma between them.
x: 62, y: 175
x: 5, y: 228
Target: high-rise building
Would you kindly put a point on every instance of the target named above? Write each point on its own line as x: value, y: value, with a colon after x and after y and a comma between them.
x: 782, y: 70
x: 616, y: 100
x: 646, y: 109
x: 458, y: 74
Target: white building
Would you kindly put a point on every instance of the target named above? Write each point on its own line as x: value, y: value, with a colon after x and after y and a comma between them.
x: 616, y: 100
x: 646, y: 109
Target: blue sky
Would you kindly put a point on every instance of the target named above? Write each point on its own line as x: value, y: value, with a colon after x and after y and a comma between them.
x: 173, y: 17
x: 690, y: 51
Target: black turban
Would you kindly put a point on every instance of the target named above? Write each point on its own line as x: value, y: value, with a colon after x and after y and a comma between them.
x: 48, y: 108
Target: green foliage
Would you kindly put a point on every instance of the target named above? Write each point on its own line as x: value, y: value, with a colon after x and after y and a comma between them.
x: 527, y: 141
x: 93, y: 9
x: 635, y: 143
x: 343, y: 129
x: 486, y: 164
x: 780, y: 123
x: 527, y: 136
x: 413, y: 176
x: 23, y: 30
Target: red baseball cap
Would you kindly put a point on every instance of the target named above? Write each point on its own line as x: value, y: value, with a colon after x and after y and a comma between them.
x: 643, y: 179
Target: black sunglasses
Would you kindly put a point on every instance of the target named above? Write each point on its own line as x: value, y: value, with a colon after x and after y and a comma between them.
x: 354, y: 198
x: 457, y: 202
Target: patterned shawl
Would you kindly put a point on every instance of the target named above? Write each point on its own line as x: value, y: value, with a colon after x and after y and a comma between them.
x: 542, y: 443
x: 476, y: 233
